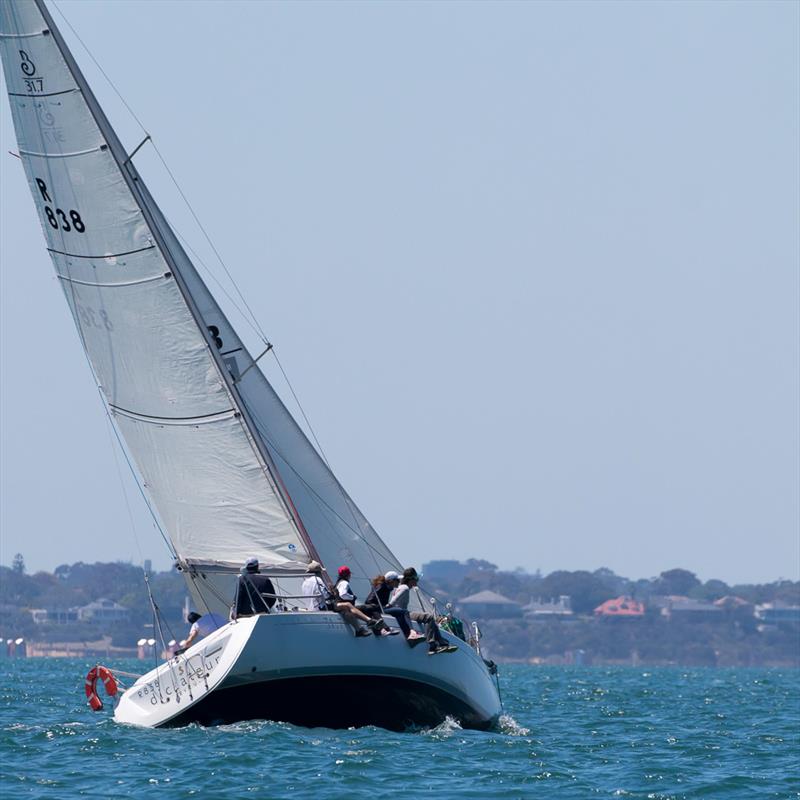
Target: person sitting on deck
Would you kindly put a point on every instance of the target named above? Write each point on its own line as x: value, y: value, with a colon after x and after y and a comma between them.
x: 398, y: 602
x: 401, y: 614
x: 255, y: 593
x: 345, y: 603
x: 377, y: 599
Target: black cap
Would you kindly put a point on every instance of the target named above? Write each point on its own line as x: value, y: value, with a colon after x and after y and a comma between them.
x: 193, y: 616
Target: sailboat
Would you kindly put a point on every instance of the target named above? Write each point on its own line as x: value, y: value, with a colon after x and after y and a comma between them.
x: 227, y: 469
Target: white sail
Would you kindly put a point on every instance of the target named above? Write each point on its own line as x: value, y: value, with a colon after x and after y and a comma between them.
x: 151, y: 356
x: 199, y: 417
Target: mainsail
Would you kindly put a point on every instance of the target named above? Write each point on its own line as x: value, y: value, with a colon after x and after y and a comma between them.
x: 228, y: 469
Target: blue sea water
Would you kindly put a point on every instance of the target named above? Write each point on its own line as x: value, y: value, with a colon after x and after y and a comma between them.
x: 569, y: 733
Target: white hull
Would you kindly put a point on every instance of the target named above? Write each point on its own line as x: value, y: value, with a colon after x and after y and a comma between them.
x: 309, y: 669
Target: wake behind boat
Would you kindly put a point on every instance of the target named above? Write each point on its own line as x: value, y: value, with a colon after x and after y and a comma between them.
x: 229, y: 473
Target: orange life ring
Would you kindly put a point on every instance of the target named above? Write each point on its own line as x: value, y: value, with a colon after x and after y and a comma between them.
x: 109, y: 682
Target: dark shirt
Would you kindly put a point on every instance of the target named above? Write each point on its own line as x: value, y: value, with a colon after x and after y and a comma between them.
x: 379, y: 595
x: 252, y: 586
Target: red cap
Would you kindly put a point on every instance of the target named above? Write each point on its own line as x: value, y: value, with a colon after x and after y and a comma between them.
x: 344, y: 571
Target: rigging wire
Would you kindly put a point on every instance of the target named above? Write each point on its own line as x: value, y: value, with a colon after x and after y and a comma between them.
x: 262, y: 432
x: 211, y: 244
x: 156, y: 523
x: 110, y: 421
x: 302, y: 410
x: 124, y: 491
x: 97, y: 64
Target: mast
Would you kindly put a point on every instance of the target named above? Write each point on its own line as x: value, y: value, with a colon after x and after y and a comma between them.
x: 146, y: 204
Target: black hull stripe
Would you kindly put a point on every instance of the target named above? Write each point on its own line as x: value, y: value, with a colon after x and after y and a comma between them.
x: 339, y: 701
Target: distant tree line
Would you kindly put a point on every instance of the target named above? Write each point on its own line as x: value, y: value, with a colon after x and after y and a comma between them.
x: 588, y: 590
x: 734, y: 640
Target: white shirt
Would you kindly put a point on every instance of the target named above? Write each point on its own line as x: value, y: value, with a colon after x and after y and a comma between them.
x: 345, y: 592
x: 399, y: 597
x: 316, y: 592
x: 208, y: 623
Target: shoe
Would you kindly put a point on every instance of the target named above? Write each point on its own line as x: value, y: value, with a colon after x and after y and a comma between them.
x: 414, y: 639
x: 447, y: 648
x: 362, y: 632
x: 384, y: 632
x: 391, y: 631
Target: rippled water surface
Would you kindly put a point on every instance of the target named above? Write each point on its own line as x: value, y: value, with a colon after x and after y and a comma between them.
x: 568, y: 733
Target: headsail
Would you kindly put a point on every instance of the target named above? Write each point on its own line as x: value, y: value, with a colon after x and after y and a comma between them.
x: 230, y: 472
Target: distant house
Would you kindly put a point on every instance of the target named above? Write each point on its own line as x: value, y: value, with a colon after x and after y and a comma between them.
x: 678, y: 608
x: 778, y: 614
x: 549, y: 609
x: 489, y: 605
x: 54, y: 616
x: 620, y: 607
x: 103, y: 610
x: 732, y: 603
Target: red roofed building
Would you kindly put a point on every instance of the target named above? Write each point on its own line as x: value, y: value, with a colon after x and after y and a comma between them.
x: 620, y: 607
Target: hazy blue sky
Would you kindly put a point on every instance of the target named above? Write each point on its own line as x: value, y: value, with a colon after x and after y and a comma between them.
x: 532, y: 268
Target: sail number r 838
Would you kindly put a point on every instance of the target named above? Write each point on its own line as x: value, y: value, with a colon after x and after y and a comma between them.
x: 58, y: 218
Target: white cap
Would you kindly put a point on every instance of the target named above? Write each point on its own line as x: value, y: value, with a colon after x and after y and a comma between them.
x: 391, y: 575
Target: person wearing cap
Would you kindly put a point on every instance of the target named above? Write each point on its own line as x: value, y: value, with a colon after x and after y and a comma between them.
x: 399, y: 600
x: 314, y: 588
x: 255, y: 593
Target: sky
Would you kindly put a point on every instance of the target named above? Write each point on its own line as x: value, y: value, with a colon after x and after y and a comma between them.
x: 532, y: 269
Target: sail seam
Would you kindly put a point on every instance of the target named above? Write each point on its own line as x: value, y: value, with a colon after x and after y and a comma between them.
x: 115, y: 283
x: 105, y: 255
x: 216, y: 416
x: 62, y: 155
x: 45, y: 94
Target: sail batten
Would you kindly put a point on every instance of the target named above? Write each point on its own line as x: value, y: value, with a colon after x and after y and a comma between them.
x: 108, y: 285
x: 60, y: 155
